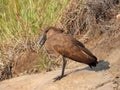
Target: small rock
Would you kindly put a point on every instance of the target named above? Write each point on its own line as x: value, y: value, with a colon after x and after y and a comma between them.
x: 118, y: 16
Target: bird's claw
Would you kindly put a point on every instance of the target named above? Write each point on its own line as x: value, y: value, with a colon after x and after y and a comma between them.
x: 58, y: 78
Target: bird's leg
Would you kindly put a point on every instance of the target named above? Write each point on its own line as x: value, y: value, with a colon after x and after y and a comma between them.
x: 63, y: 69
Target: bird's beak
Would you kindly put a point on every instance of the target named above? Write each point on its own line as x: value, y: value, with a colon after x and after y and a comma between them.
x: 42, y: 40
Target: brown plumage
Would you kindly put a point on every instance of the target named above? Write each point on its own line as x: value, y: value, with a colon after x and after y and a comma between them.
x: 57, y: 42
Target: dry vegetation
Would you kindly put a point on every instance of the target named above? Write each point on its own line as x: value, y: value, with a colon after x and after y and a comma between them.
x: 90, y: 17
x: 84, y: 19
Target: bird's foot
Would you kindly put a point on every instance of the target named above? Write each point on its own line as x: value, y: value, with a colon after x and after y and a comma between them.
x: 58, y: 78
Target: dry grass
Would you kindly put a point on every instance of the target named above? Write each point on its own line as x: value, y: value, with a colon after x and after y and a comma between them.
x: 91, y: 17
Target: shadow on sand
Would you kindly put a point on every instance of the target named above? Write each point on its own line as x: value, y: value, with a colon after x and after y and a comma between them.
x: 102, y: 65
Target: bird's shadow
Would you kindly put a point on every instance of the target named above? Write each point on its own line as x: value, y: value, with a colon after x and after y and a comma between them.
x: 102, y: 65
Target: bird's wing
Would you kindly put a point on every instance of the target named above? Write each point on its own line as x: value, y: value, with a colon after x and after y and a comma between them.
x: 71, y: 39
x: 79, y: 54
x: 76, y: 42
x: 66, y: 44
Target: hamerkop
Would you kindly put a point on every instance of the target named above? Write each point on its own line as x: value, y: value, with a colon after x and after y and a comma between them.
x: 58, y: 42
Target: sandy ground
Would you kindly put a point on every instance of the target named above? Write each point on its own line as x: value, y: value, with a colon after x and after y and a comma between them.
x: 105, y: 76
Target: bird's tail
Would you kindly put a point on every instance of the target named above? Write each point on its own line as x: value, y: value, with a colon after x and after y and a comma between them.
x: 94, y: 63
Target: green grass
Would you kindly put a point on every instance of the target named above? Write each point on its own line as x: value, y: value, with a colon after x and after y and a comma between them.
x: 22, y: 21
x: 23, y: 18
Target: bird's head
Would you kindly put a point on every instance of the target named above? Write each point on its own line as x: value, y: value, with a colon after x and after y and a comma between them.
x: 50, y: 31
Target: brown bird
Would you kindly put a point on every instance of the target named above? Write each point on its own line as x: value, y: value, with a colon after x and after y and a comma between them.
x: 58, y: 42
